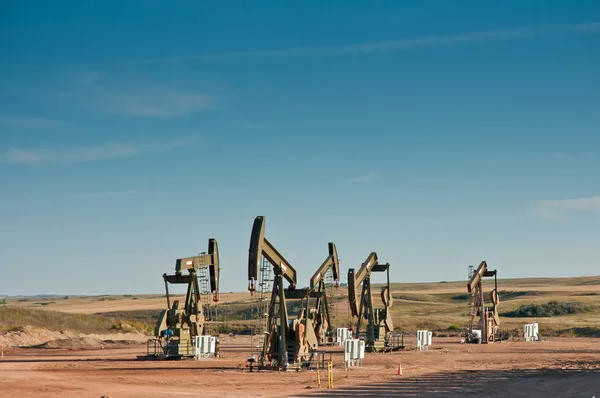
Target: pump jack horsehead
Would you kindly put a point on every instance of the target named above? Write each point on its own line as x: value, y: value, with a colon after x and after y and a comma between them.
x: 286, y: 340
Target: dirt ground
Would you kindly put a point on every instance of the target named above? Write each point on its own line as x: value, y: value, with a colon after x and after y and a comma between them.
x: 559, y: 367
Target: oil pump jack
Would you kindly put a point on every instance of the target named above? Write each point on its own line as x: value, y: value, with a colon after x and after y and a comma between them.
x: 178, y: 326
x: 287, y: 340
x: 489, y: 321
x: 379, y: 320
x: 318, y: 288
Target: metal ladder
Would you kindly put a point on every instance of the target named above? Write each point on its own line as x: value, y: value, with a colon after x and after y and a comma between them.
x: 469, y: 325
x: 264, y: 290
x: 204, y: 282
x: 329, y: 289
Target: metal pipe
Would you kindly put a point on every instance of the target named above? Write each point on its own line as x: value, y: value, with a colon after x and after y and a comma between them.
x: 167, y: 290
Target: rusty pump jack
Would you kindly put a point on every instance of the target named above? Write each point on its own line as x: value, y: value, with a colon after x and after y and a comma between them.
x: 180, y: 326
x: 287, y: 340
x: 379, y: 320
x: 489, y: 321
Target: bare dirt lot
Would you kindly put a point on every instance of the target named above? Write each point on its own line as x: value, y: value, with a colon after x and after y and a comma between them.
x: 559, y: 367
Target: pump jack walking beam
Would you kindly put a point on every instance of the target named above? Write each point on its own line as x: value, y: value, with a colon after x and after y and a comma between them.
x: 260, y: 246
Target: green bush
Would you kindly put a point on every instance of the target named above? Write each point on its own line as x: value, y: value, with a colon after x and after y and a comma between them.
x: 509, y: 295
x: 573, y: 332
x: 552, y: 308
x: 460, y: 297
x: 504, y: 295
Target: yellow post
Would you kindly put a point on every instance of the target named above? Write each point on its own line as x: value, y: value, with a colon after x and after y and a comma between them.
x: 330, y: 375
x: 318, y: 378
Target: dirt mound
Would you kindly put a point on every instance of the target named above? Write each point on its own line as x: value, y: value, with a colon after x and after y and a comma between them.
x: 85, y: 343
x: 29, y: 336
x: 72, y: 343
x: 34, y: 337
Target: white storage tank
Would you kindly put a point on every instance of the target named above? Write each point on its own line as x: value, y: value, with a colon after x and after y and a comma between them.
x: 349, y: 349
x: 342, y: 334
x: 476, y: 335
x: 354, y: 352
x: 423, y: 339
x: 361, y: 349
x: 531, y: 332
x: 205, y: 346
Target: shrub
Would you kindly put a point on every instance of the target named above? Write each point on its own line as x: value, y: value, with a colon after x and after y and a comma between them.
x: 573, y: 332
x: 552, y: 308
x: 460, y: 297
x: 504, y: 295
x: 509, y: 295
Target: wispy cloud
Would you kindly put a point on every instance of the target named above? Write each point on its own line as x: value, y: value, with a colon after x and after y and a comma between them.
x: 365, y: 178
x: 159, y: 103
x: 145, y: 99
x: 87, y: 153
x: 399, y: 45
x: 111, y: 194
x: 555, y: 209
x: 560, y: 156
x: 32, y: 122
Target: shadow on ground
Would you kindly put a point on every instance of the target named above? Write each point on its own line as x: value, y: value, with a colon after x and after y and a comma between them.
x: 517, y: 383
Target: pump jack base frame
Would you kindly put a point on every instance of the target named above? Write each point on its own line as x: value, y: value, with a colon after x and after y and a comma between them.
x: 155, y: 352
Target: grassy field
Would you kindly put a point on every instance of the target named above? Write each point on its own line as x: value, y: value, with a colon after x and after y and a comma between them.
x: 441, y: 307
x: 14, y: 318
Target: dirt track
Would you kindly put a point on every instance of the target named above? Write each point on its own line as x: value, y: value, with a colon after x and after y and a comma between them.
x: 561, y: 367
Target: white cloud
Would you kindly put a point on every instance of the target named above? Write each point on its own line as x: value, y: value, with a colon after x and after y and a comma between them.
x: 555, y: 209
x: 560, y: 156
x: 399, y: 45
x: 32, y: 122
x: 85, y: 154
x: 144, y: 99
x: 365, y: 178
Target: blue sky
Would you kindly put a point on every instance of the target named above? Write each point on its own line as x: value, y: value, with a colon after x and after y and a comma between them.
x: 436, y: 133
